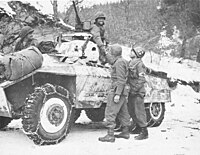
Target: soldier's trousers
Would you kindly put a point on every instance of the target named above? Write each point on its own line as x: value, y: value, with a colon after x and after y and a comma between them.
x: 137, y: 110
x: 118, y: 110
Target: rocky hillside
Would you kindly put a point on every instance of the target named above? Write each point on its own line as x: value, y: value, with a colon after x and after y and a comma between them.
x: 21, y: 14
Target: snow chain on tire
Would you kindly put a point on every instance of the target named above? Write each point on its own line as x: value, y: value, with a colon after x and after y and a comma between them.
x: 31, y: 125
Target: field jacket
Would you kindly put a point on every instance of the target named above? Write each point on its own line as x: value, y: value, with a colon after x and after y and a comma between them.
x: 119, y: 75
x: 98, y: 32
x: 136, y: 77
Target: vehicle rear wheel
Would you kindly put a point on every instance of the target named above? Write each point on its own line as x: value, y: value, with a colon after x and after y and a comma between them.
x: 4, y: 121
x: 96, y: 114
x: 48, y: 115
x: 155, y: 113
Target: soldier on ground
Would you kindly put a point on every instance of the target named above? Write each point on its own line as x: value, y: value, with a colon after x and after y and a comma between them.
x: 117, y: 96
x: 26, y: 39
x: 136, y: 81
x: 98, y: 32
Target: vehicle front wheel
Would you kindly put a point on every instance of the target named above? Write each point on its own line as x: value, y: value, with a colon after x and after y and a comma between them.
x: 48, y: 115
x: 155, y: 113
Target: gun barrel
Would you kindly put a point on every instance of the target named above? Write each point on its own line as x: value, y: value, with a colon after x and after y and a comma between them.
x: 79, y: 25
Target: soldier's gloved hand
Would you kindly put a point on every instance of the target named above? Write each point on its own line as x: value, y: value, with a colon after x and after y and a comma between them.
x: 116, y: 98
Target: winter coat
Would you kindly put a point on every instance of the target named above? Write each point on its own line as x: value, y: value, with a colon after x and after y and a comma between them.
x: 136, y: 77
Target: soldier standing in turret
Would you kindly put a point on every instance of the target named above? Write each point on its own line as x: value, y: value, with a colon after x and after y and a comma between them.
x: 98, y: 32
x: 117, y: 96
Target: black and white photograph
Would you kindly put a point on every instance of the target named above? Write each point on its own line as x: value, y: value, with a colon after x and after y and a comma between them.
x: 100, y: 77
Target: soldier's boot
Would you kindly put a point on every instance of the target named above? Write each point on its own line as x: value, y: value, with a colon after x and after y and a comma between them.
x: 109, y: 137
x: 124, y: 134
x: 143, y: 134
x: 136, y: 130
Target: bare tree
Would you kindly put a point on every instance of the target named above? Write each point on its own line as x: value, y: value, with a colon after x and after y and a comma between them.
x: 55, y: 8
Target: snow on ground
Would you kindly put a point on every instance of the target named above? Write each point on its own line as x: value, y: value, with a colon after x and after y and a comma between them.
x: 179, y: 134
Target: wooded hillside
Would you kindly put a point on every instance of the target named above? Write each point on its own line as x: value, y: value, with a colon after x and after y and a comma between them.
x: 143, y: 21
x: 140, y: 22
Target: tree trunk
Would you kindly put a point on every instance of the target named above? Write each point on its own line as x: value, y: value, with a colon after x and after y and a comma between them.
x: 198, y: 56
x: 68, y: 13
x: 182, y: 55
x: 55, y: 9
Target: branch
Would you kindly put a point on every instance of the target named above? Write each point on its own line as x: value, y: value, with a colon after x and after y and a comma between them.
x: 78, y: 1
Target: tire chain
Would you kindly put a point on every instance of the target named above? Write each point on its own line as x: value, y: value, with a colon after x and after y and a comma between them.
x: 47, y: 89
x: 151, y: 122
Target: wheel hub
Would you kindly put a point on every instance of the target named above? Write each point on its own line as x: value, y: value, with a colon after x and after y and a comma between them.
x: 155, y: 110
x: 55, y: 115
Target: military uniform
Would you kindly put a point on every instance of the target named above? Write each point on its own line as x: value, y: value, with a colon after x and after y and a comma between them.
x: 119, y: 78
x: 20, y: 44
x: 98, y: 35
x: 136, y: 81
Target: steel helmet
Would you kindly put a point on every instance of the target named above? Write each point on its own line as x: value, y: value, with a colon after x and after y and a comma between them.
x: 100, y: 15
x: 139, y: 51
x: 25, y: 31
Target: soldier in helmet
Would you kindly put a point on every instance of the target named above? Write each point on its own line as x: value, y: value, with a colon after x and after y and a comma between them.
x: 117, y: 96
x: 98, y: 32
x: 26, y: 39
x: 136, y: 80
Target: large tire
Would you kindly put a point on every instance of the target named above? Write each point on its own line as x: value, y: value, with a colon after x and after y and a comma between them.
x: 155, y: 113
x: 48, y: 115
x: 96, y: 114
x: 4, y: 121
